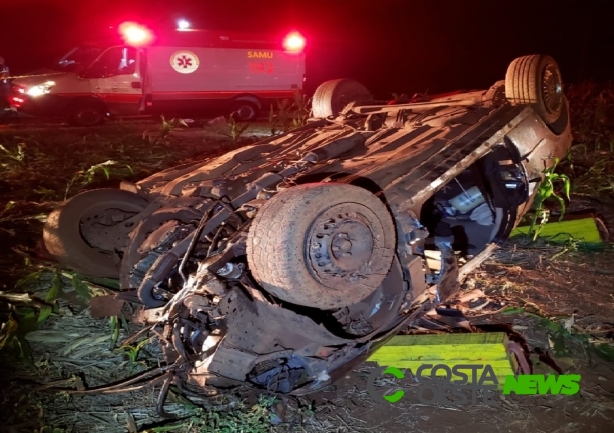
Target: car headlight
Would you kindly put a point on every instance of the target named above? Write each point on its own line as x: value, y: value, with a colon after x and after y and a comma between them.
x: 41, y: 89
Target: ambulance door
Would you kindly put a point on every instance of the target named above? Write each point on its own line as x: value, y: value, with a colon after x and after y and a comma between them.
x: 115, y: 78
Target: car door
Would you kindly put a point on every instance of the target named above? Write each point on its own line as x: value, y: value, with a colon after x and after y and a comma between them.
x: 117, y: 80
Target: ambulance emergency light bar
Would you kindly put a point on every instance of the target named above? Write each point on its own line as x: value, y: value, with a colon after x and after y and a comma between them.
x: 138, y: 35
x: 135, y: 34
x: 294, y: 42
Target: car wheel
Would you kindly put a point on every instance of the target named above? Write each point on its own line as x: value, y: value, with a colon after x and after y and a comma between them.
x: 245, y: 111
x: 332, y: 96
x: 536, y: 80
x: 321, y: 245
x: 86, y: 114
x: 85, y: 233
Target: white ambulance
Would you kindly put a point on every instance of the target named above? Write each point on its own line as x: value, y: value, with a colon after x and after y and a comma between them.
x: 184, y: 72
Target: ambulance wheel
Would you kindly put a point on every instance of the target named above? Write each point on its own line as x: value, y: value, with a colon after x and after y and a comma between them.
x: 86, y: 114
x: 536, y: 80
x: 245, y: 111
x: 332, y: 96
x: 87, y: 232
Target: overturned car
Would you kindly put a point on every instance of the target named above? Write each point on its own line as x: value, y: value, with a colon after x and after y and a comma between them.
x: 284, y: 263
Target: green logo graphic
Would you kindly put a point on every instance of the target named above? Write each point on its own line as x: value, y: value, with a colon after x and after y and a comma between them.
x: 479, y: 380
x: 530, y: 384
x: 399, y: 375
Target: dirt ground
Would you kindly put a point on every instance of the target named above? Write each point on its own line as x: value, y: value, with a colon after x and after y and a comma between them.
x: 579, y: 285
x: 559, y: 299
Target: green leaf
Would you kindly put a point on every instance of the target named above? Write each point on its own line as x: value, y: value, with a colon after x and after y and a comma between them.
x: 81, y: 288
x: 512, y: 310
x: 547, y: 189
x: 605, y: 351
x: 44, y: 313
x: 28, y: 322
x: 56, y: 289
x: 133, y: 351
x: 30, y: 278
x: 562, y: 204
x: 566, y: 185
x: 106, y: 171
x: 104, y: 282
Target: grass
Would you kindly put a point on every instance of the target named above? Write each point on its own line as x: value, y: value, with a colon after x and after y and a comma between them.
x: 591, y: 161
x: 240, y: 419
x: 592, y: 113
x: 288, y: 114
x: 61, y: 164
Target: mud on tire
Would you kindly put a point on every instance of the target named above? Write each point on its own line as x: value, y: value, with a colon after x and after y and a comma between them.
x: 65, y: 240
x: 321, y: 245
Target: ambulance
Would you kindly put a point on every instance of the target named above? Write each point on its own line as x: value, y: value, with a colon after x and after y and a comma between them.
x: 180, y: 73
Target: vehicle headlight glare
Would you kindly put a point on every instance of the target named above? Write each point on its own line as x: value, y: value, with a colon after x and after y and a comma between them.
x: 41, y: 89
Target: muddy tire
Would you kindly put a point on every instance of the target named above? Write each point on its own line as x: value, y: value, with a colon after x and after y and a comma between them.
x: 536, y: 80
x: 75, y: 232
x: 321, y: 245
x: 332, y: 96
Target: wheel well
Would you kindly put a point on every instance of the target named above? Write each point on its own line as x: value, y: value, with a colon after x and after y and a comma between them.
x: 560, y: 125
x: 360, y: 181
x: 369, y: 185
x: 249, y: 98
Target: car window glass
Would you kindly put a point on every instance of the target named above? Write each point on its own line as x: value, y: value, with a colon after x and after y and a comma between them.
x: 127, y: 62
x: 115, y: 61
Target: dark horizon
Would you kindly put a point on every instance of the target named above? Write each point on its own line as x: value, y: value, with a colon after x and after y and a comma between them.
x: 391, y: 46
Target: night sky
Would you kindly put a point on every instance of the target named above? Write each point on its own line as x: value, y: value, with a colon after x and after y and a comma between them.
x: 401, y: 46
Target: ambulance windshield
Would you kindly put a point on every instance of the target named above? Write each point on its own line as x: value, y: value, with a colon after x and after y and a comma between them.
x: 79, y: 57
